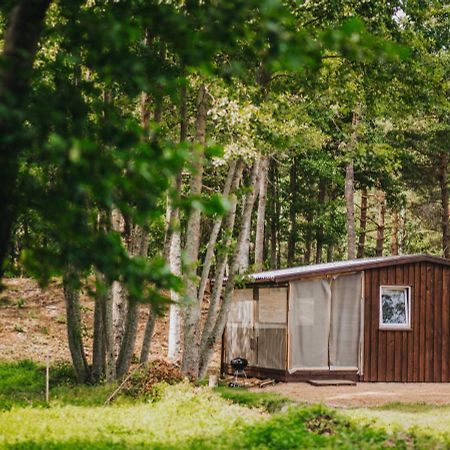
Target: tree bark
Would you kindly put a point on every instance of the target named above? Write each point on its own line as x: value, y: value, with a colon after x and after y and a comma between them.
x: 275, y: 214
x: 148, y: 334
x: 98, y: 347
x: 394, y: 234
x: 443, y: 182
x: 261, y: 215
x: 173, y: 253
x: 350, y: 190
x: 292, y: 213
x: 362, y: 224
x: 118, y: 294
x: 209, y: 257
x: 222, y: 258
x: 381, y: 197
x: 350, y: 207
x: 210, y: 341
x: 319, y: 233
x: 192, y: 312
x: 308, y: 237
x: 24, y: 28
x: 73, y: 318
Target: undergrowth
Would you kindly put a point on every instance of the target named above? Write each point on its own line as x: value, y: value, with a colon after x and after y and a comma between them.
x: 183, y: 416
x: 271, y: 402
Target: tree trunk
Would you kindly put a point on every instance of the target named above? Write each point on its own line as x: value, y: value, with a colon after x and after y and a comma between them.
x: 104, y: 296
x: 292, y: 213
x: 394, y: 235
x: 319, y: 233
x: 25, y: 24
x: 98, y: 347
x: 148, y: 334
x: 118, y: 294
x: 222, y: 258
x: 174, y: 349
x: 138, y: 246
x: 350, y: 189
x: 73, y: 318
x: 129, y: 340
x: 330, y: 248
x: 381, y: 197
x: 192, y: 312
x: 308, y: 237
x: 273, y: 218
x: 175, y: 316
x: 362, y: 224
x: 217, y: 331
x: 209, y: 257
x: 261, y: 215
x: 443, y: 181
x: 350, y: 206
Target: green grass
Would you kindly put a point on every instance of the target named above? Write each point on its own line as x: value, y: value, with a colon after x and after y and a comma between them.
x: 188, y: 417
x: 419, y: 418
x: 23, y: 384
x: 268, y: 401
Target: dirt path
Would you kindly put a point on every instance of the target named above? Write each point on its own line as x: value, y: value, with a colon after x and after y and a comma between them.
x: 366, y: 394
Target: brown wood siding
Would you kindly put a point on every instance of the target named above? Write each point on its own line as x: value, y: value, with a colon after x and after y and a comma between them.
x: 421, y: 354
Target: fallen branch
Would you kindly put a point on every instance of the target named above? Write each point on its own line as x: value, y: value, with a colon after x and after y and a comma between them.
x: 120, y: 387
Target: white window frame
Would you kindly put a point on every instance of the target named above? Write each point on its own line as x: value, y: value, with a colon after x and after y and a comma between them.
x: 396, y: 326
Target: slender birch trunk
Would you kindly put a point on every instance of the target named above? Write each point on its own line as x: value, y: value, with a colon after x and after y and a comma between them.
x: 217, y: 331
x: 261, y: 215
x: 222, y: 259
x: 173, y: 254
x: 362, y: 224
x: 209, y: 257
x: 192, y: 312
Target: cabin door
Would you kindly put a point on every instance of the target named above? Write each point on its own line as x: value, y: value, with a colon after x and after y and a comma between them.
x: 325, y: 322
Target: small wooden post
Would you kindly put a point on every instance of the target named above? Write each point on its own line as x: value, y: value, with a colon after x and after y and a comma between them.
x: 47, y: 379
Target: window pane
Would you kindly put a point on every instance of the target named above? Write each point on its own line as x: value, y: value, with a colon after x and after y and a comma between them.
x: 393, y: 303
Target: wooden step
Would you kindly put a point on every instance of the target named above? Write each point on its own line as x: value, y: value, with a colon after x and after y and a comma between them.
x: 332, y: 382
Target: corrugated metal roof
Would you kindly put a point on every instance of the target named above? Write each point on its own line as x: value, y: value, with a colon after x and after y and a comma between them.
x: 341, y: 266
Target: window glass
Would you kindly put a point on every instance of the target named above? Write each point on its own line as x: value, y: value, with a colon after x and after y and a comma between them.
x: 395, y: 307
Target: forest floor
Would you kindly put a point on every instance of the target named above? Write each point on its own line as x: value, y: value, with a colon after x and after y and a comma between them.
x: 33, y: 324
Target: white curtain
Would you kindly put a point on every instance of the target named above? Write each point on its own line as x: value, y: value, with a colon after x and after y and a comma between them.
x: 309, y: 324
x: 325, y: 323
x: 345, y: 332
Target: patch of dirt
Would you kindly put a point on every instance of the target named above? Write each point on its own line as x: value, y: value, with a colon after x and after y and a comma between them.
x: 365, y: 394
x: 33, y: 324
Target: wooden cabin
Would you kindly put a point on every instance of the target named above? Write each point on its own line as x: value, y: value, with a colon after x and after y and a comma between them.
x: 375, y: 319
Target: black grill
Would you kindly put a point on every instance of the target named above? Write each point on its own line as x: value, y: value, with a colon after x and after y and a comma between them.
x: 238, y: 365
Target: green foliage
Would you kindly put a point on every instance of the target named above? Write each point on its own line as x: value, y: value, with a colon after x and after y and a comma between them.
x: 185, y: 417
x: 268, y: 401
